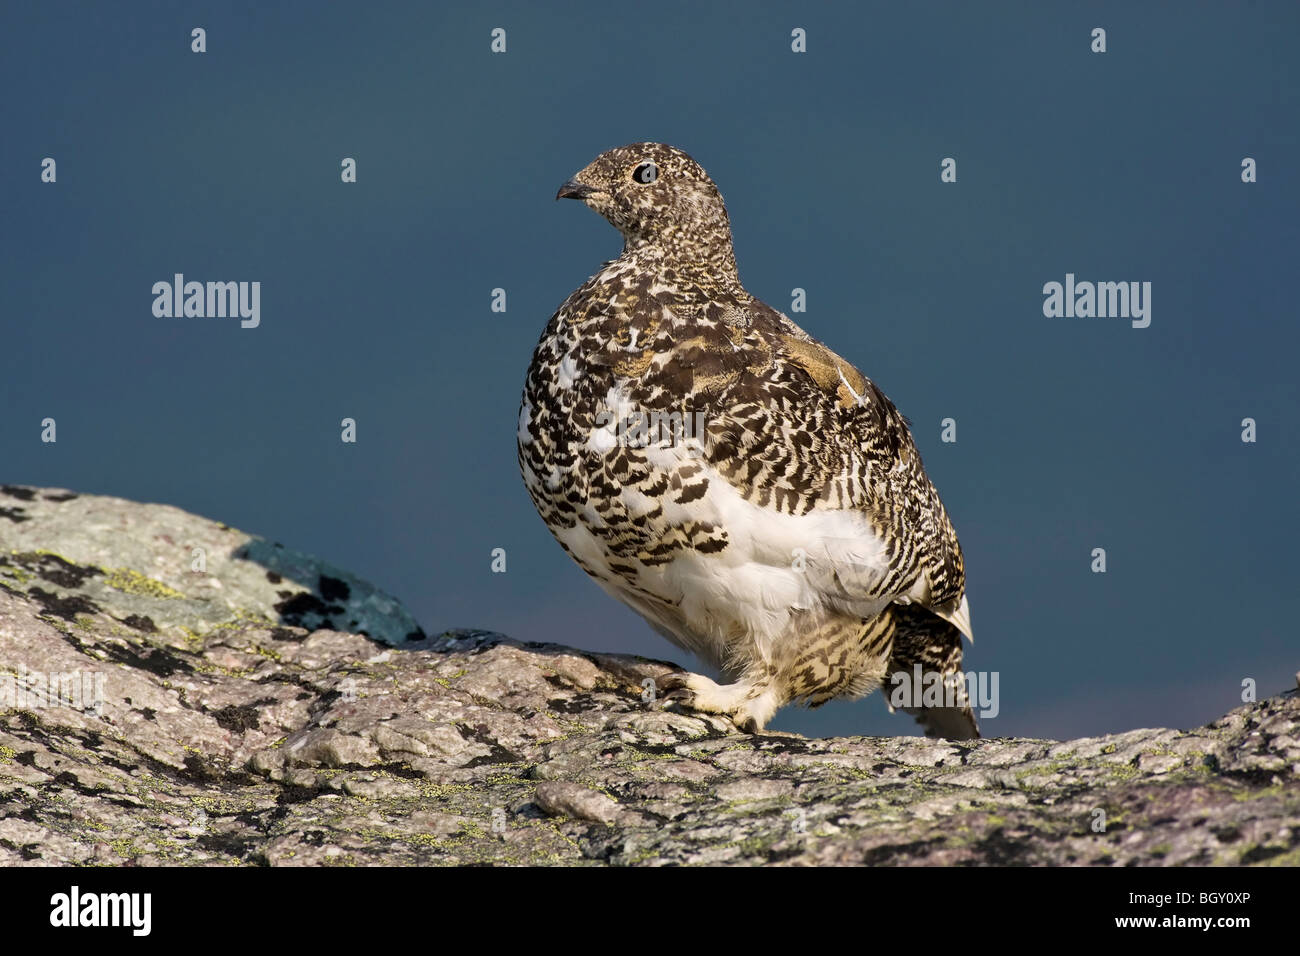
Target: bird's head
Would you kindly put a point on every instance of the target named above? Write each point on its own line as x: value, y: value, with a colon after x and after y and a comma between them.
x: 657, y: 197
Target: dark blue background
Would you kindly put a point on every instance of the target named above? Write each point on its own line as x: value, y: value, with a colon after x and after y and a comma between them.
x: 1072, y: 433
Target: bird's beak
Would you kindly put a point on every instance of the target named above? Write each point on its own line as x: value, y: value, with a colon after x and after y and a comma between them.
x: 575, y: 190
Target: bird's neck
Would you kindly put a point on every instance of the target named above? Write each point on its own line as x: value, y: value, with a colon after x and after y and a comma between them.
x: 708, y: 268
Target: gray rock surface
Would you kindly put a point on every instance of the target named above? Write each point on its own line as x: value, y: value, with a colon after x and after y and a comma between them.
x: 215, y: 717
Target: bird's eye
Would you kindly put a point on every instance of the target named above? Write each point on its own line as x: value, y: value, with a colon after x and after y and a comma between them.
x: 645, y: 174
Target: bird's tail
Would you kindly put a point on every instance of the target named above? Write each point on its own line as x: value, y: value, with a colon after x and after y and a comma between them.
x: 922, y: 638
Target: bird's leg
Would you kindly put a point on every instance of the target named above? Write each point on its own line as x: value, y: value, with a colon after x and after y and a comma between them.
x: 750, y: 704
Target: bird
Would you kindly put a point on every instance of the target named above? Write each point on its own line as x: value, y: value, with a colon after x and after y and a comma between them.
x: 747, y: 491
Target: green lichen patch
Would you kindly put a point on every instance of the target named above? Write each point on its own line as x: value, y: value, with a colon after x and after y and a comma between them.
x: 133, y: 582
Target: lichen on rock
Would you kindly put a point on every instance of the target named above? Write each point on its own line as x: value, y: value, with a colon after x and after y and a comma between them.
x: 243, y: 719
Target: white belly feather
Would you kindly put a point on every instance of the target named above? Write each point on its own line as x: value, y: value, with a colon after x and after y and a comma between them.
x: 775, y: 565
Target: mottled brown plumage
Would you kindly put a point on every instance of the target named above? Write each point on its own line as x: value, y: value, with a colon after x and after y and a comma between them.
x: 749, y: 492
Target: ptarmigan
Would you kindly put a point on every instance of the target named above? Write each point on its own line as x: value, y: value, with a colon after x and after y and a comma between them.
x: 746, y: 490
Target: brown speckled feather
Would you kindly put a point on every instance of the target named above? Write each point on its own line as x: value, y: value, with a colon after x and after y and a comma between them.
x: 790, y: 519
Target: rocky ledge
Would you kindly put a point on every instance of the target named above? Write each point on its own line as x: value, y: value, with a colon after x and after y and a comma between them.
x: 173, y: 691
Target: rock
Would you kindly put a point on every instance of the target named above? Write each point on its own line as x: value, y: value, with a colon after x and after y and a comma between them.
x: 211, y: 719
x: 137, y: 563
x: 558, y: 798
